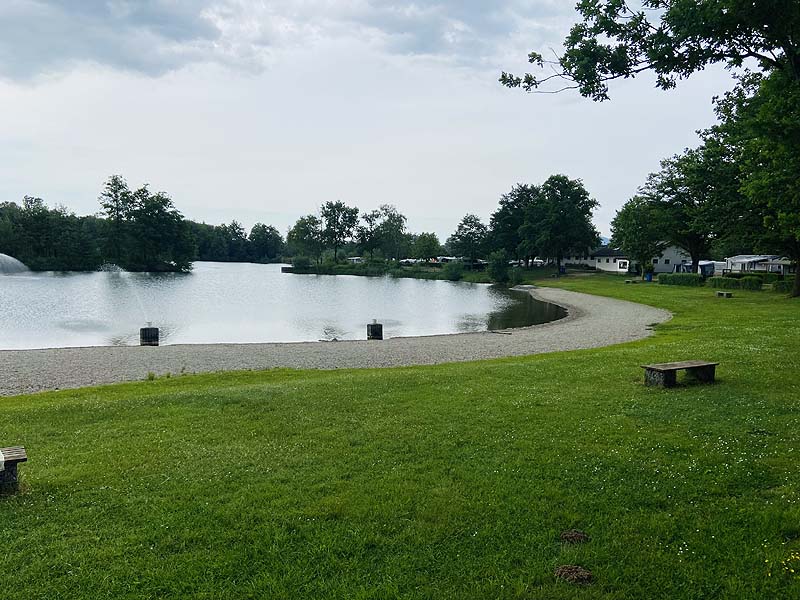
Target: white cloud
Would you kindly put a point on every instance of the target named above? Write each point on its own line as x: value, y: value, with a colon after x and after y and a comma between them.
x: 41, y: 37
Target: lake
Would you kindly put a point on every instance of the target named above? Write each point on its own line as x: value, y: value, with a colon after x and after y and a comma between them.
x: 246, y: 303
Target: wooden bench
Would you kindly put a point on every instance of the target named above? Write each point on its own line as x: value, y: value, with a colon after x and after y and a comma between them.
x: 665, y: 374
x: 11, y: 458
x: 721, y: 294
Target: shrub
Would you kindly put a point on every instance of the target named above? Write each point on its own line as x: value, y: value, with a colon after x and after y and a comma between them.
x: 498, y: 266
x: 724, y: 283
x: 689, y: 279
x: 770, y: 277
x: 783, y: 287
x: 301, y: 262
x: 516, y: 276
x: 453, y: 271
x: 751, y: 283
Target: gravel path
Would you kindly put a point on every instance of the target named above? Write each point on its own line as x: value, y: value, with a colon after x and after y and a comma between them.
x: 592, y: 322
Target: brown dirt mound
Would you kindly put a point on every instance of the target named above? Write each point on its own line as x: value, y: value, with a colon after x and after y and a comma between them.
x: 574, y: 574
x: 573, y: 536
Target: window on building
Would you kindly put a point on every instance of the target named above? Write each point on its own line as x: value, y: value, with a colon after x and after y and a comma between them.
x: 615, y: 260
x: 655, y: 261
x: 623, y: 264
x: 608, y: 261
x: 666, y: 261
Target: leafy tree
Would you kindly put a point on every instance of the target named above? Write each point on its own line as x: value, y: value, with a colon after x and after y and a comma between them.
x: 638, y: 231
x: 498, y: 266
x: 506, y: 221
x: 306, y: 237
x: 340, y: 221
x: 235, y: 238
x: 266, y: 243
x: 760, y: 119
x: 427, y: 246
x: 469, y: 239
x: 692, y: 191
x: 117, y: 203
x: 673, y: 39
x: 392, y: 231
x: 164, y: 240
x: 368, y: 234
x: 559, y: 220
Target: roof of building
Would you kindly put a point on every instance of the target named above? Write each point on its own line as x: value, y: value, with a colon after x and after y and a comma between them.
x: 748, y: 258
x: 608, y: 251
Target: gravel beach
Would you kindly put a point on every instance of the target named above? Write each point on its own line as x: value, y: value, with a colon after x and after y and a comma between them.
x: 592, y: 322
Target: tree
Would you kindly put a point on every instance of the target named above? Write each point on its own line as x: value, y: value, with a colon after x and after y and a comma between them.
x: 673, y: 39
x: 638, y: 231
x: 117, y: 203
x: 506, y: 221
x: 164, y: 239
x: 392, y: 231
x: 235, y: 238
x: 368, y: 234
x: 498, y: 266
x: 469, y: 239
x: 427, y: 246
x: 340, y: 220
x: 266, y: 243
x: 559, y: 220
x: 760, y: 119
x: 306, y: 237
x: 692, y: 191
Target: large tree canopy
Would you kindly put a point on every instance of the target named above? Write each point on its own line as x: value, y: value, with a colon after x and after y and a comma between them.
x: 340, y: 222
x: 760, y: 123
x: 558, y: 221
x: 672, y: 38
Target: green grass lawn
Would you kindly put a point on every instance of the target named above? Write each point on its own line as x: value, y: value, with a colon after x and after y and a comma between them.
x: 431, y: 482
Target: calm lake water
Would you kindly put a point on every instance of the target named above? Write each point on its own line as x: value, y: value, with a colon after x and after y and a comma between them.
x: 245, y: 303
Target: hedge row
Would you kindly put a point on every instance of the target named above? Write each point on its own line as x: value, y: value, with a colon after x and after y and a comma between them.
x: 690, y: 279
x: 724, y: 283
x: 784, y: 287
x: 765, y: 276
x: 751, y: 283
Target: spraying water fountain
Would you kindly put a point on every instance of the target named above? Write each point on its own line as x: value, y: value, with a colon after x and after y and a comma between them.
x: 149, y: 335
x: 10, y: 265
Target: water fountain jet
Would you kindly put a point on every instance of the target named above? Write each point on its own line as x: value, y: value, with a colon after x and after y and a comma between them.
x: 10, y: 265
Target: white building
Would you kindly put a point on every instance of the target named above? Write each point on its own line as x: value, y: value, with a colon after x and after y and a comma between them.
x: 671, y: 256
x: 610, y: 260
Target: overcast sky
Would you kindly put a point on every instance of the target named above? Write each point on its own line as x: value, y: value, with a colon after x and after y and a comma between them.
x: 261, y: 110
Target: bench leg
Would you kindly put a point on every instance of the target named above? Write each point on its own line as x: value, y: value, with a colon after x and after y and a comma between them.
x: 704, y: 374
x: 659, y: 378
x: 8, y: 479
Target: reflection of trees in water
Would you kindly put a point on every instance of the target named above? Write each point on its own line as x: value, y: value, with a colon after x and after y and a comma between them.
x: 519, y: 310
x: 524, y: 311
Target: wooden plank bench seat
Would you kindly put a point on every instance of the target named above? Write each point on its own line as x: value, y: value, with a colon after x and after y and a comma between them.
x: 12, y: 457
x: 721, y: 294
x: 665, y: 374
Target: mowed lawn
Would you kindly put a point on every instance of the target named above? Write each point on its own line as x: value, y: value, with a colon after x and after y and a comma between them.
x: 432, y: 482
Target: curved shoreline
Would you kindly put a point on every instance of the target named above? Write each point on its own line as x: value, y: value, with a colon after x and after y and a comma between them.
x: 591, y: 322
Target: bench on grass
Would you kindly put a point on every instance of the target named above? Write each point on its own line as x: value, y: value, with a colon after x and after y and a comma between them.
x: 721, y: 294
x: 9, y: 459
x: 665, y: 374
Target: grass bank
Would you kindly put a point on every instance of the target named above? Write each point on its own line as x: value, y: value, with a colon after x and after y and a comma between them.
x: 429, y: 482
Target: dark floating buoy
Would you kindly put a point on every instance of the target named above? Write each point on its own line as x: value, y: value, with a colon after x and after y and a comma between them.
x: 374, y: 330
x: 148, y: 336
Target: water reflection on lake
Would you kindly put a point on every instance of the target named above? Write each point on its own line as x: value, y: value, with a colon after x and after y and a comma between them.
x: 245, y: 303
